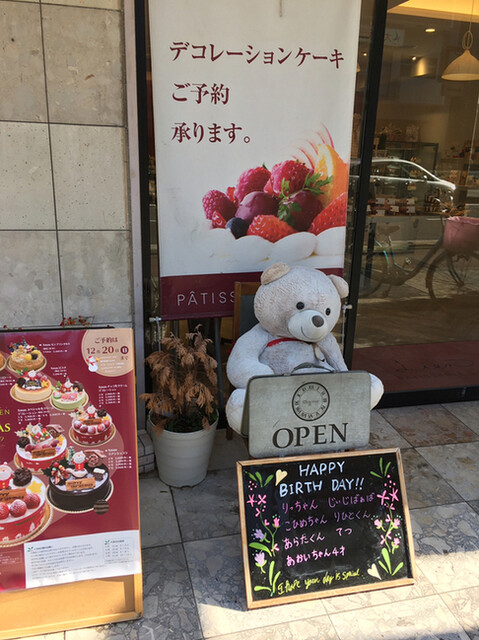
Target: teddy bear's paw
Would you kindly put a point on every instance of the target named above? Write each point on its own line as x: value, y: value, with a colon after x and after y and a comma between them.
x: 234, y: 409
x: 377, y: 390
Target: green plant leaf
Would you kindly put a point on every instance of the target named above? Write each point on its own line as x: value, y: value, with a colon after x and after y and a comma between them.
x: 387, y: 559
x: 260, y: 479
x: 376, y: 475
x: 381, y: 564
x: 400, y: 566
x: 270, y: 575
x: 314, y: 182
x: 258, y: 588
x: 387, y: 468
x: 284, y: 213
x: 284, y: 187
x: 268, y: 479
x: 381, y: 466
x: 260, y: 547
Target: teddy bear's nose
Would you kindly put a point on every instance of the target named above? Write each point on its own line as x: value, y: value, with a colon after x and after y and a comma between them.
x: 318, y: 321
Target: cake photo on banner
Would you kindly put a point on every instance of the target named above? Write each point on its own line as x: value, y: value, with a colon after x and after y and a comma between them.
x: 79, y: 482
x: 68, y: 395
x: 39, y: 446
x: 25, y: 357
x: 24, y: 511
x: 91, y: 426
x: 32, y: 387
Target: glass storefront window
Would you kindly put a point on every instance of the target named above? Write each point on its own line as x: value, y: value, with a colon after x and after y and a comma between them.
x: 416, y: 326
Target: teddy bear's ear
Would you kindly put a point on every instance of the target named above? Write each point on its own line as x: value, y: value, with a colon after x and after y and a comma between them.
x: 340, y: 284
x: 274, y: 272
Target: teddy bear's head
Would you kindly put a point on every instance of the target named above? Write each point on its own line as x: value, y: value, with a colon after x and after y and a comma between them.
x: 299, y: 302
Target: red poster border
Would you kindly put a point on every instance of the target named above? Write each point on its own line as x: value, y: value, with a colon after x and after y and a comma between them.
x: 206, y: 295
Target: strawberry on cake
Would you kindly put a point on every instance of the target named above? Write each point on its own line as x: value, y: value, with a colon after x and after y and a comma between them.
x: 22, y: 504
x: 295, y: 212
x: 68, y: 395
x: 25, y: 357
x: 91, y: 426
x: 38, y: 446
x: 32, y: 387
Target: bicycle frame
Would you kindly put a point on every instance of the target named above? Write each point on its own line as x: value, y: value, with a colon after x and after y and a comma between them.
x: 395, y: 274
x: 448, y: 274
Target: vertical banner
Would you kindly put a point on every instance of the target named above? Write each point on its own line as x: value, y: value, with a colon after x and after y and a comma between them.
x: 68, y: 462
x: 253, y: 105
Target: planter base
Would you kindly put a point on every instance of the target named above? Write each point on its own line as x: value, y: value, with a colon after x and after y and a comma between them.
x: 182, y: 458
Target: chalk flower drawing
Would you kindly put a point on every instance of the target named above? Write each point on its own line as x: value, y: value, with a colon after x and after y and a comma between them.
x: 390, y: 539
x: 260, y: 560
x: 264, y: 534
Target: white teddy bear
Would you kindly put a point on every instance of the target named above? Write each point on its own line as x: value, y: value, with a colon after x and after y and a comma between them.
x: 297, y: 309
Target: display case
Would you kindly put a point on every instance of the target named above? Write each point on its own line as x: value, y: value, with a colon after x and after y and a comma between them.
x: 465, y: 175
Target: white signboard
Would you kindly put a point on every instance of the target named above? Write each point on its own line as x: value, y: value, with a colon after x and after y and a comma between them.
x: 307, y: 413
x: 249, y: 97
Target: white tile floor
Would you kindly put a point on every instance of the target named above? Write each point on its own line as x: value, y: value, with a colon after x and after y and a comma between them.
x: 193, y: 572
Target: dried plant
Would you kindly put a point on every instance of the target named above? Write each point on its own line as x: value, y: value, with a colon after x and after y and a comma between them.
x: 185, y: 384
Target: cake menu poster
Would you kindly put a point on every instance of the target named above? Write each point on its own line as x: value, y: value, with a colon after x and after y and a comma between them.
x: 68, y: 463
x: 253, y: 108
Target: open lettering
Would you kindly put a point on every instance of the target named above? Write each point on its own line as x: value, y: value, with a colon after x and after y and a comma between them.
x: 316, y: 434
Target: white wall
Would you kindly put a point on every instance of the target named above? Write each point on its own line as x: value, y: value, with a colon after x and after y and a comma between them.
x: 65, y: 229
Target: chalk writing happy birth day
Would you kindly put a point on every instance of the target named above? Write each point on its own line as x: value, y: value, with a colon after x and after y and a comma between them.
x: 323, y: 524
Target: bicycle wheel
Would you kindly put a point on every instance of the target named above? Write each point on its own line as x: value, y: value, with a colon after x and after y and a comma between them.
x: 453, y: 277
x: 374, y: 269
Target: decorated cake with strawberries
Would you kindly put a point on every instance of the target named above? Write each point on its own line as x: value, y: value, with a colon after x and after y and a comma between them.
x: 39, y: 446
x: 68, y: 395
x: 22, y: 504
x: 295, y: 196
x: 32, y: 386
x: 25, y: 357
x: 78, y: 481
x: 294, y: 211
x: 91, y: 426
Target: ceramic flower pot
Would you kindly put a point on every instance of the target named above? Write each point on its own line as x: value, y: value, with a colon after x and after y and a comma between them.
x: 182, y: 458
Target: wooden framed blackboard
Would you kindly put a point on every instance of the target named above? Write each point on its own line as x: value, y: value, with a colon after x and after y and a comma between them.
x: 324, y: 525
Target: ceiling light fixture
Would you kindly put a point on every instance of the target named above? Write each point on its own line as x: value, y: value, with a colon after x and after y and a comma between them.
x: 466, y: 66
x: 430, y: 30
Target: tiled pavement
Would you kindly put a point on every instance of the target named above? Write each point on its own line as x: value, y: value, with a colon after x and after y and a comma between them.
x: 193, y: 572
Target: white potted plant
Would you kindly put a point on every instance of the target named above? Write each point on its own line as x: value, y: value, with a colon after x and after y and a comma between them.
x: 182, y: 407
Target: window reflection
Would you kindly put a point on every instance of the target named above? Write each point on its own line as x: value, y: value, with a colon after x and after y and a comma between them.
x: 420, y: 273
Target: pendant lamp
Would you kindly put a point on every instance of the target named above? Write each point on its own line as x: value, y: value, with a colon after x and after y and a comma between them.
x: 466, y: 66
